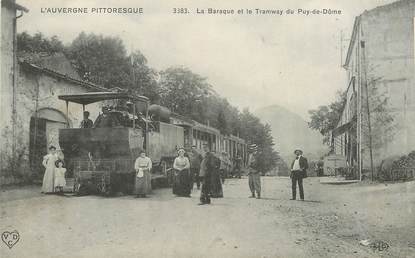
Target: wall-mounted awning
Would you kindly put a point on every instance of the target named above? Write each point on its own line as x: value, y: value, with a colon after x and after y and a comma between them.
x: 343, y: 128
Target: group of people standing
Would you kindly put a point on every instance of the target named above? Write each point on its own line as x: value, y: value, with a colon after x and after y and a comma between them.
x: 188, y: 169
x: 54, y: 177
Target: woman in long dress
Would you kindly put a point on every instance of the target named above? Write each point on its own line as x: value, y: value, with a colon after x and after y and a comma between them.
x: 216, y: 182
x: 142, y: 167
x: 182, y: 183
x: 49, y: 176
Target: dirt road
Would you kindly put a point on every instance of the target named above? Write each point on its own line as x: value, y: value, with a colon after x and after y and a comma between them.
x: 330, y: 223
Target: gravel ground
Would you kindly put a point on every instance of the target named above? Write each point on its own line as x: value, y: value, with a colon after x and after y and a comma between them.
x: 330, y: 223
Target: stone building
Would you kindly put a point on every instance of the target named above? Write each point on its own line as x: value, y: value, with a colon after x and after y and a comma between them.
x: 381, y: 57
x: 31, y: 113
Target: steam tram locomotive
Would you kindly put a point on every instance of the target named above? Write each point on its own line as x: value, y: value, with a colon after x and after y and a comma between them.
x: 103, y: 156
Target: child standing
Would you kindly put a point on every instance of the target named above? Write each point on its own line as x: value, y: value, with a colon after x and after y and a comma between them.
x: 60, y: 181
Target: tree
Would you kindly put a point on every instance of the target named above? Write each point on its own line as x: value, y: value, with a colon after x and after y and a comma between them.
x: 255, y: 132
x: 143, y: 78
x: 222, y: 123
x: 38, y: 43
x: 101, y: 60
x: 378, y: 126
x: 325, y: 118
x: 182, y: 91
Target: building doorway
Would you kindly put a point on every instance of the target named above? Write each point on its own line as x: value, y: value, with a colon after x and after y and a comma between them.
x: 44, y: 132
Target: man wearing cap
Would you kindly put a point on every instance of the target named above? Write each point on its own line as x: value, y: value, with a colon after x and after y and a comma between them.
x: 254, y: 176
x: 86, y: 122
x: 195, y: 160
x: 298, y: 171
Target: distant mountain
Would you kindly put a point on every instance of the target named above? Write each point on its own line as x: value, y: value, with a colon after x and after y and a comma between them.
x: 291, y: 131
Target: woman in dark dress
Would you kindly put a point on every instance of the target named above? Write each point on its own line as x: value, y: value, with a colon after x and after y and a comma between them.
x: 216, y: 182
x: 182, y: 182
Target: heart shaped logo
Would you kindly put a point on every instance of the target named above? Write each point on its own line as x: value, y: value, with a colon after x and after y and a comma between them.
x: 10, y: 238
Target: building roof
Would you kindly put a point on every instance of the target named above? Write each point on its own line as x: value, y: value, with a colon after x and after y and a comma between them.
x: 14, y: 5
x: 57, y: 62
x: 352, y: 41
x: 61, y: 76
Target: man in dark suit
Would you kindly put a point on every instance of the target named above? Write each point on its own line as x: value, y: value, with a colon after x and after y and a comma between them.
x: 210, y: 164
x: 298, y: 171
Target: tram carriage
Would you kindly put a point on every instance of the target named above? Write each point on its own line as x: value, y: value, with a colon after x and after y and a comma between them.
x: 104, y: 156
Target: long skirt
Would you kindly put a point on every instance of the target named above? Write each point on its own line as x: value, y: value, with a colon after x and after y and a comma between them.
x: 216, y: 185
x: 143, y: 184
x: 182, y: 182
x: 48, y: 180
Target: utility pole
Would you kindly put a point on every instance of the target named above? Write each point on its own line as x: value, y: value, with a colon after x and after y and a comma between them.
x: 341, y: 48
x: 362, y: 43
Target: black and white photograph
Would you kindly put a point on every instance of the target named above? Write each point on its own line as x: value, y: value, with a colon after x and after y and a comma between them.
x: 207, y: 128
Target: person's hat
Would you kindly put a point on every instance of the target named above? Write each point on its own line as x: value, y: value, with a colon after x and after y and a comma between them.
x: 295, y: 152
x: 86, y: 113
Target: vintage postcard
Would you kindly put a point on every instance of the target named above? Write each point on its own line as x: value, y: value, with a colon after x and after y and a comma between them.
x: 207, y: 128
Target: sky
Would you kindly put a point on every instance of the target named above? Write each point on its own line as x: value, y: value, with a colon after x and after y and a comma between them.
x: 253, y: 60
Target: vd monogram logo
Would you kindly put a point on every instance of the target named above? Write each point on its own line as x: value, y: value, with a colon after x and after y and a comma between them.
x: 10, y: 238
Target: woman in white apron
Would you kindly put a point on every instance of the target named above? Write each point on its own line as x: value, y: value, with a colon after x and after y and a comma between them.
x: 49, y: 176
x: 182, y: 183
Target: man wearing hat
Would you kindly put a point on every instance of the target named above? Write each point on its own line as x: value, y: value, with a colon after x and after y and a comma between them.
x: 86, y: 123
x: 195, y: 161
x: 298, y: 171
x: 254, y: 176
